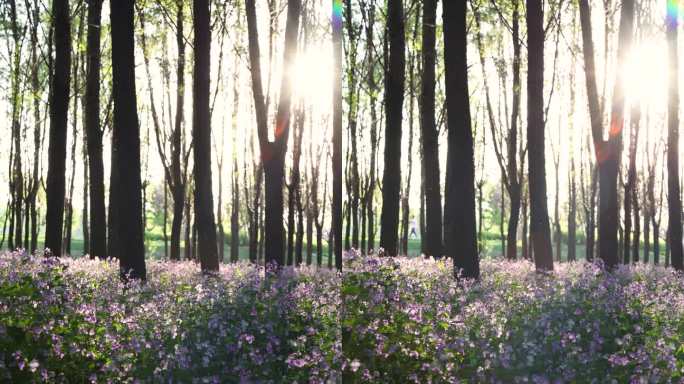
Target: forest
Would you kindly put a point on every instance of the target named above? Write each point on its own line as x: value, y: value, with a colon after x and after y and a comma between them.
x: 341, y: 191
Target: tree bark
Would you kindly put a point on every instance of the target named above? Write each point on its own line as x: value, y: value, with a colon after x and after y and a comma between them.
x: 273, y: 153
x: 607, y: 151
x: 127, y: 141
x: 539, y: 216
x: 459, y: 220
x: 59, y: 105
x: 429, y: 137
x: 201, y: 134
x: 335, y: 235
x: 93, y: 130
x: 394, y: 100
x: 674, y: 195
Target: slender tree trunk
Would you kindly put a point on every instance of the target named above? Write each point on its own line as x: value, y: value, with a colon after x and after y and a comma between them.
x: 656, y: 243
x: 309, y: 237
x: 59, y: 105
x: 93, y: 131
x: 69, y: 209
x: 299, y: 242
x: 188, y: 229
x: 459, y: 208
x: 127, y: 140
x: 335, y: 236
x: 674, y: 196
x: 113, y: 240
x: 429, y: 137
x: 629, y: 189
x: 290, y: 223
x: 512, y: 141
x: 352, y: 102
x: 165, y: 234
x: 37, y: 132
x: 179, y: 186
x: 16, y: 105
x: 86, y: 209
x: 647, y: 238
x: 541, y: 236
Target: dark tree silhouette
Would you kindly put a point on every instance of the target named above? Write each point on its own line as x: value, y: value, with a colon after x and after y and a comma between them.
x: 336, y: 227
x: 460, y: 231
x: 59, y: 105
x: 126, y: 138
x: 201, y: 135
x: 429, y: 138
x: 93, y: 131
x: 674, y: 196
x: 607, y: 151
x: 539, y: 215
x: 273, y: 152
x: 394, y: 100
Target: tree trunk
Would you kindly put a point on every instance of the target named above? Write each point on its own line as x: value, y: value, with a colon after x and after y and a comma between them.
x: 394, y: 100
x: 188, y: 229
x: 512, y: 141
x: 352, y: 102
x: 290, y: 222
x: 309, y: 237
x: 335, y: 236
x: 235, y: 222
x: 201, y: 135
x: 127, y: 141
x: 93, y: 131
x: 165, y: 234
x: 674, y: 196
x: 299, y: 242
x: 429, y: 137
x: 179, y: 187
x: 656, y: 242
x: 17, y: 177
x: 647, y: 238
x: 539, y: 224
x: 59, y: 105
x: 37, y: 133
x: 85, y: 214
x: 113, y: 240
x: 607, y: 151
x: 459, y: 208
x: 273, y: 153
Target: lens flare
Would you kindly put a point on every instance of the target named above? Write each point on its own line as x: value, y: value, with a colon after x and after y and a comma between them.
x: 672, y: 11
x: 337, y: 14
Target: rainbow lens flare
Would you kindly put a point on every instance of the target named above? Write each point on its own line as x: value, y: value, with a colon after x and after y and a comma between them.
x: 337, y: 14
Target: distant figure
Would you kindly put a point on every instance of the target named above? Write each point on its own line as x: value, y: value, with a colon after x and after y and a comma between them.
x: 413, y: 228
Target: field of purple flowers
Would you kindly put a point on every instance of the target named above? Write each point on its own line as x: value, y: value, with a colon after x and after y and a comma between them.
x: 75, y: 321
x: 408, y: 320
x: 383, y: 321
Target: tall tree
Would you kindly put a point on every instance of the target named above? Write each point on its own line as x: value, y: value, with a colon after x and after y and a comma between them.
x: 336, y: 217
x: 273, y: 152
x: 126, y: 138
x: 460, y: 231
x: 394, y: 101
x: 607, y: 151
x: 352, y: 32
x: 429, y: 137
x: 34, y: 183
x: 59, y: 105
x: 539, y: 214
x: 201, y: 136
x: 674, y: 196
